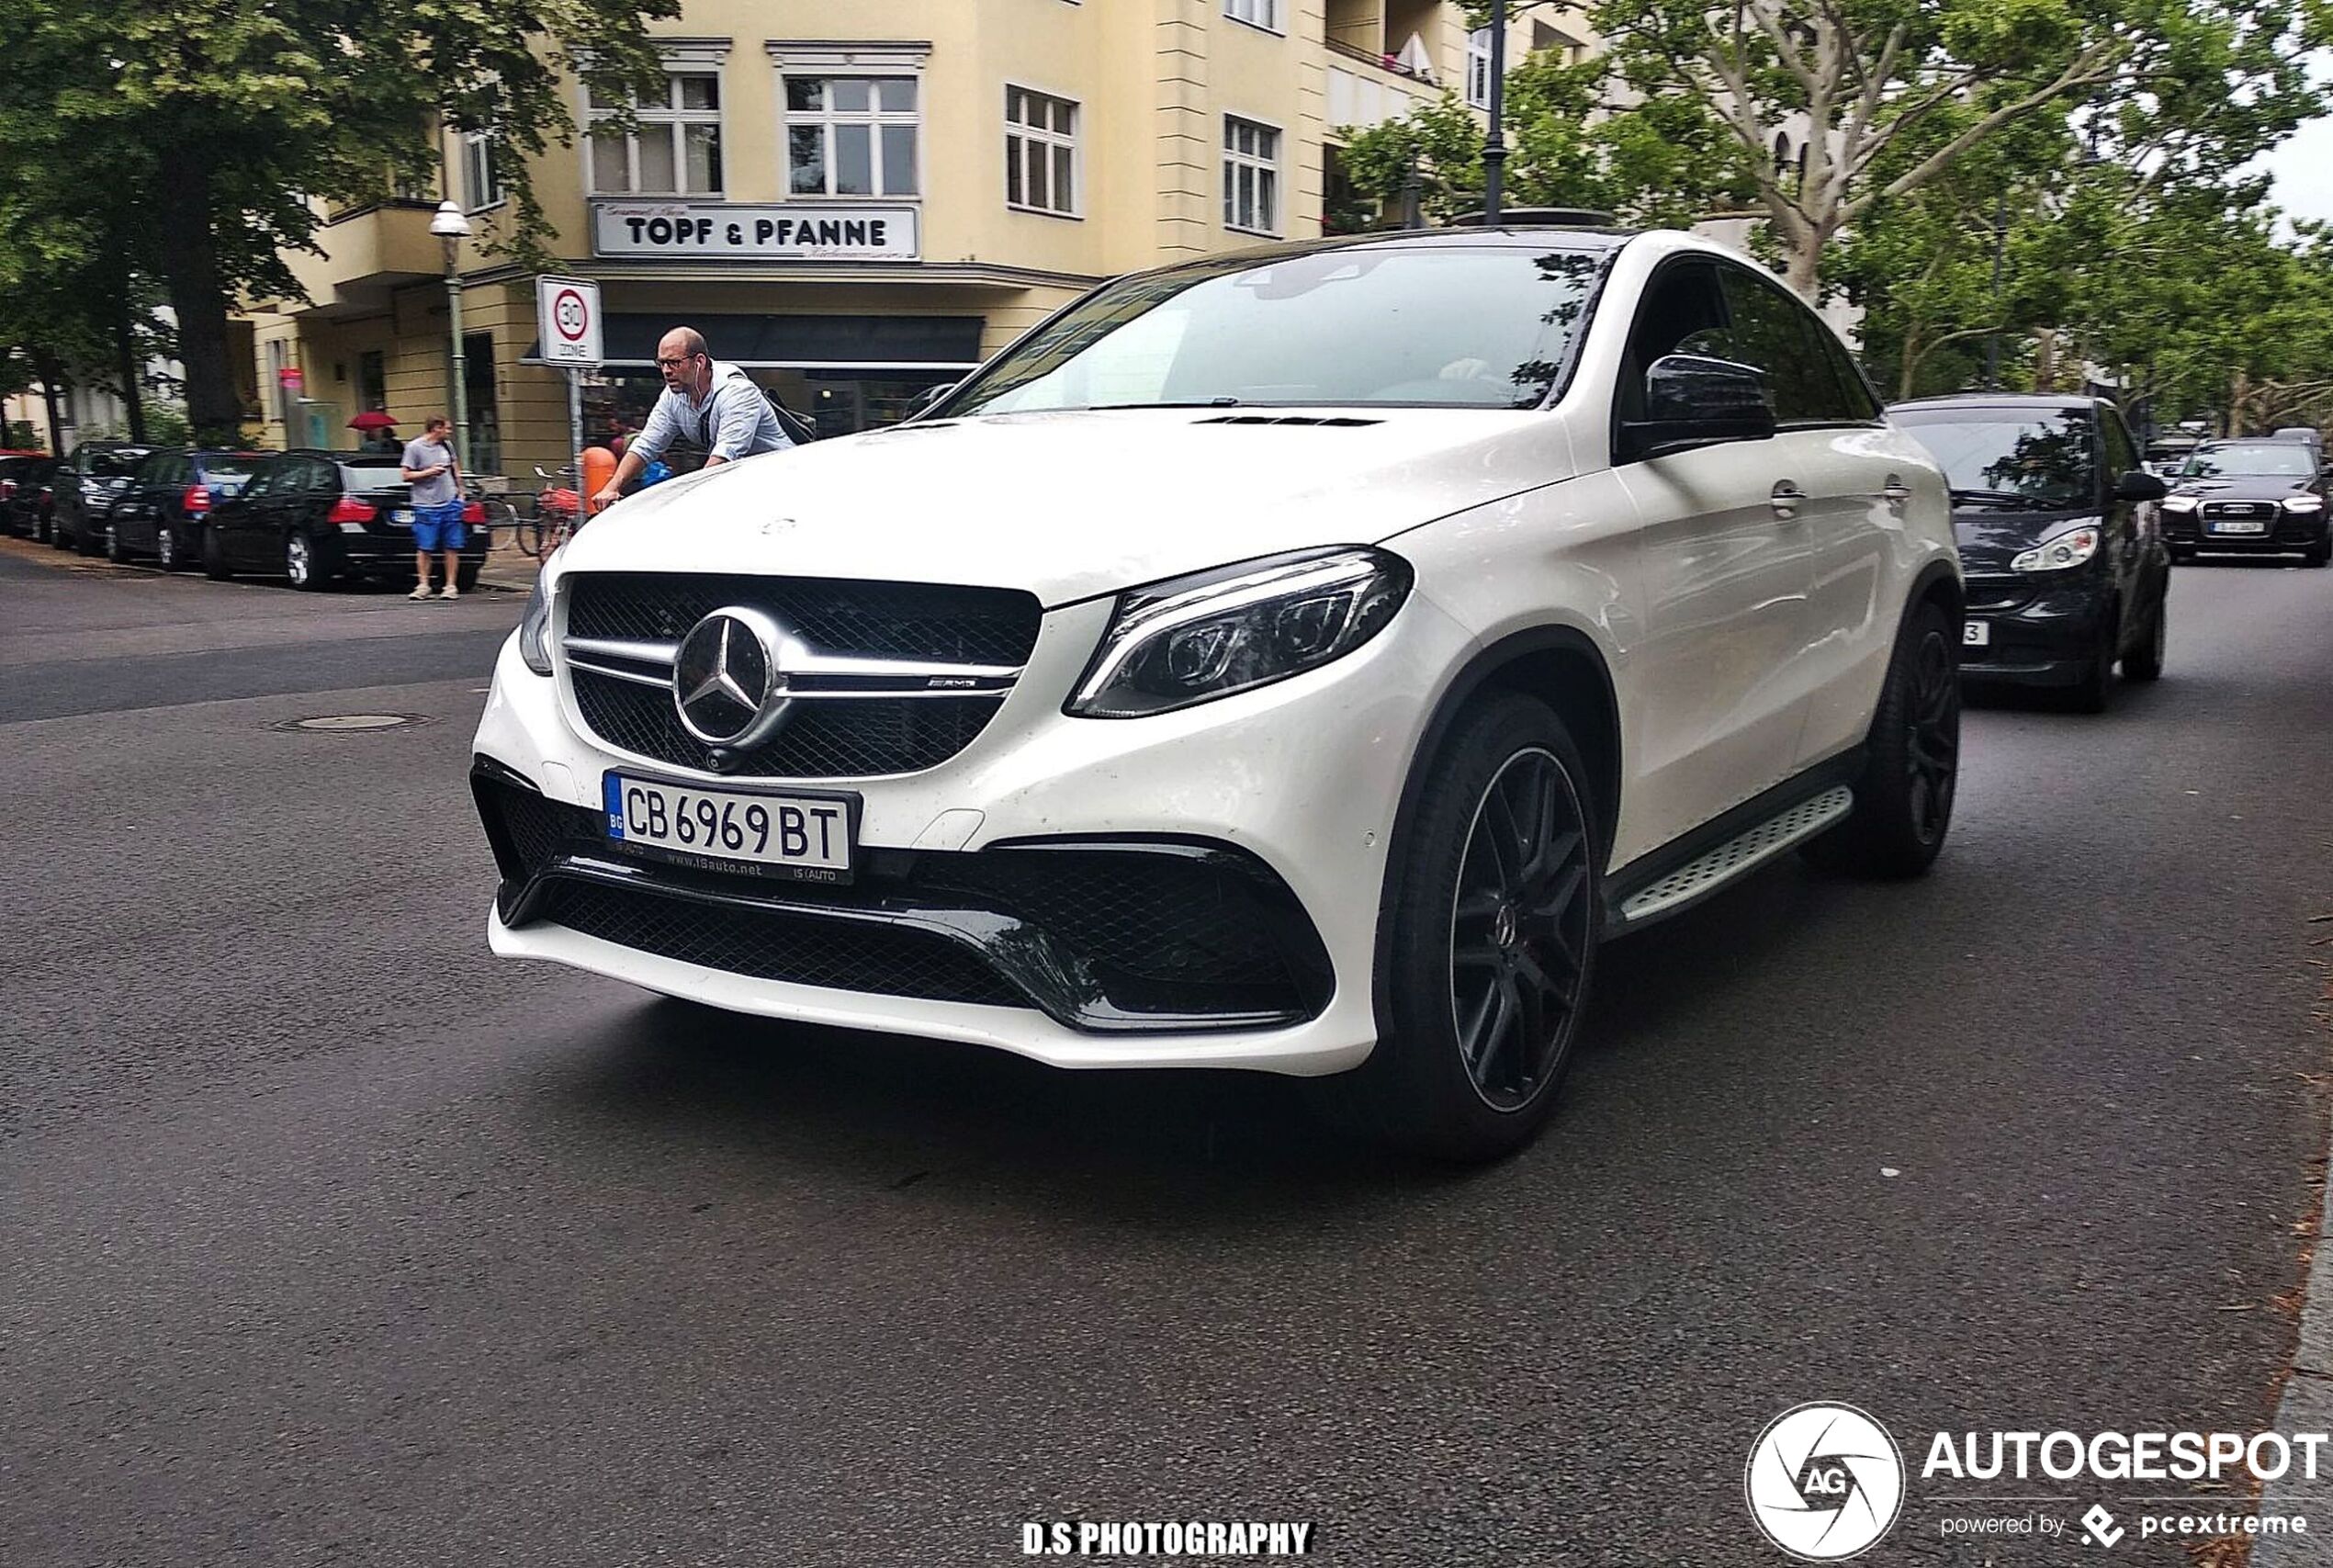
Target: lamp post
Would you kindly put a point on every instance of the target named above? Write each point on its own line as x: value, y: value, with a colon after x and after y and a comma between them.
x: 1494, y: 145
x: 452, y: 226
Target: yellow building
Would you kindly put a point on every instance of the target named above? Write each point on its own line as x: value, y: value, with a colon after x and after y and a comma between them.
x: 855, y: 219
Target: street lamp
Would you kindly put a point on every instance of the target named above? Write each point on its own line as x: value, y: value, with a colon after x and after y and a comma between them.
x: 453, y: 227
x: 1494, y: 145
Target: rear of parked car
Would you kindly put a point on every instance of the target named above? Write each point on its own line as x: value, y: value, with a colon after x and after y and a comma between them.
x: 317, y: 517
x: 26, y: 496
x: 162, y: 511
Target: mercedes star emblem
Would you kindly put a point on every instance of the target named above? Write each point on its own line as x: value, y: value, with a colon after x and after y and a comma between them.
x: 728, y: 679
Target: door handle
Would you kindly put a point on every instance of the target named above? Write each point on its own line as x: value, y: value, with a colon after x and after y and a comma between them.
x: 1787, y: 498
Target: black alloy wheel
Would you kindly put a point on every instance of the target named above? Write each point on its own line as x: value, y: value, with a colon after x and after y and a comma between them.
x: 304, y: 563
x: 1519, y: 930
x: 116, y: 551
x: 166, y: 548
x: 2145, y: 662
x: 1912, y: 759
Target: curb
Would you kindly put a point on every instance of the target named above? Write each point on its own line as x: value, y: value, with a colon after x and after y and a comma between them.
x: 2307, y: 1405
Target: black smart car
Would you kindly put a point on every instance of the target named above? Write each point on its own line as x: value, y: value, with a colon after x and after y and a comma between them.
x: 162, y: 510
x: 2060, y: 546
x: 2252, y: 497
x: 316, y: 517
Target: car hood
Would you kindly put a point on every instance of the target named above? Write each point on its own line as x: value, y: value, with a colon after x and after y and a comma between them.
x: 1074, y: 504
x: 2246, y: 487
x: 1990, y: 540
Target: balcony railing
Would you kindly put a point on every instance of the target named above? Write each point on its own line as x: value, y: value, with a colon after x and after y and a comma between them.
x: 1386, y: 62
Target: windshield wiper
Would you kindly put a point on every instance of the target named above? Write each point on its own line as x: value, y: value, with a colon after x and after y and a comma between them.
x: 2006, y: 498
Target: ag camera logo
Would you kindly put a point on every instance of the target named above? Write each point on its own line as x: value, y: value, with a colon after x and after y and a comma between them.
x: 1825, y: 1482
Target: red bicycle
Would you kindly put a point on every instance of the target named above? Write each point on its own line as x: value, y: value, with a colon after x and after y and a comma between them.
x: 558, y: 512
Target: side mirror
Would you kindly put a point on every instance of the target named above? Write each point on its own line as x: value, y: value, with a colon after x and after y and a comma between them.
x: 1691, y: 401
x: 2137, y: 484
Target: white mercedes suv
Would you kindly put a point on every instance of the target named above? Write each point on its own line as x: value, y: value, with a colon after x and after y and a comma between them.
x: 1299, y: 660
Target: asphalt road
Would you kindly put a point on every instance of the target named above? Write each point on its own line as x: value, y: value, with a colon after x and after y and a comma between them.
x: 328, y: 1239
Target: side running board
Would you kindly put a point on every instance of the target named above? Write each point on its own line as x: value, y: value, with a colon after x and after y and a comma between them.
x: 1736, y: 857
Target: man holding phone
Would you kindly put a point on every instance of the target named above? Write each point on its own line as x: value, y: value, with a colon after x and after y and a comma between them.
x: 428, y: 465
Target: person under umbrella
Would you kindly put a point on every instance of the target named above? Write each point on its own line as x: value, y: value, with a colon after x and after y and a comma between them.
x: 379, y: 431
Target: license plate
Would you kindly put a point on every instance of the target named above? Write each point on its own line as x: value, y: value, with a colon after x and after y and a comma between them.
x: 402, y: 515
x: 2236, y: 525
x: 1976, y: 634
x: 807, y: 837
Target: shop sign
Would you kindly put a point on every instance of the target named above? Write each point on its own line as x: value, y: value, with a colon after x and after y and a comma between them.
x: 716, y: 231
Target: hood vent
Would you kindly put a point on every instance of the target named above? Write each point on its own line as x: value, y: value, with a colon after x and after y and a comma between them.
x: 1285, y: 419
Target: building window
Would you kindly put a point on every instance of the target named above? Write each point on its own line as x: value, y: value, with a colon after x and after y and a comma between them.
x: 852, y: 135
x: 1251, y: 176
x: 677, y: 150
x: 1478, y: 69
x: 1041, y: 153
x: 1264, y: 13
x: 481, y: 171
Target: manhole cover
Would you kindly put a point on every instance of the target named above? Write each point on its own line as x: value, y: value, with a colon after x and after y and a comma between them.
x: 341, y: 722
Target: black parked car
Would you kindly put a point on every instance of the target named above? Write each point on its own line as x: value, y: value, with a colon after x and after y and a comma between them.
x: 86, y: 488
x: 162, y: 510
x: 2061, y: 544
x: 2259, y: 497
x: 317, y: 516
x: 25, y: 496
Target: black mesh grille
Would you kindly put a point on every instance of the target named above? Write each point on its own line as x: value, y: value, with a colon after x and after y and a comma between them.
x: 808, y: 951
x: 823, y: 739
x: 892, y: 620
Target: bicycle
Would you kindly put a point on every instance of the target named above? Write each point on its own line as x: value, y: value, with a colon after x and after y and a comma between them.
x: 556, y: 514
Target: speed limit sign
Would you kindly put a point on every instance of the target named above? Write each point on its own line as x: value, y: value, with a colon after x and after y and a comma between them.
x: 566, y: 313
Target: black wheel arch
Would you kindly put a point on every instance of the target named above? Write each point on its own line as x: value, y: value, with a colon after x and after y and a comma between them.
x: 1562, y: 667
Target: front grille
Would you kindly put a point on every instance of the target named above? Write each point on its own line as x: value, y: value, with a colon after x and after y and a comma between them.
x: 2256, y: 511
x: 802, y: 950
x: 830, y: 738
x: 821, y: 739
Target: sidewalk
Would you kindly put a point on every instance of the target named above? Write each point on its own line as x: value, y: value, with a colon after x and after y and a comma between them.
x: 508, y: 569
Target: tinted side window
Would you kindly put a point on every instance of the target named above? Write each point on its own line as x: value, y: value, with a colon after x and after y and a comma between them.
x: 262, y: 482
x: 1683, y: 312
x: 1782, y: 337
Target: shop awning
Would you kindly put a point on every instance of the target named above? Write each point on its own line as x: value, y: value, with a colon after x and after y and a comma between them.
x: 800, y: 343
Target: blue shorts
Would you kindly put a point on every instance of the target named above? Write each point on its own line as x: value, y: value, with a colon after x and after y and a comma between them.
x: 439, y: 527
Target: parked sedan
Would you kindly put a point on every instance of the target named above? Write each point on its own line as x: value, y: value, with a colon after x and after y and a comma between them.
x: 25, y: 495
x: 86, y: 487
x: 162, y: 510
x: 316, y: 517
x: 2064, y: 564
x: 2258, y: 497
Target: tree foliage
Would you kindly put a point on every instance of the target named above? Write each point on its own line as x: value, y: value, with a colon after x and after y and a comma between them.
x: 223, y: 128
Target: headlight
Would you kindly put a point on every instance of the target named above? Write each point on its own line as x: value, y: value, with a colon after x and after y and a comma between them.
x: 2071, y: 547
x: 2179, y: 503
x: 1206, y: 636
x: 535, y: 631
x: 2302, y: 503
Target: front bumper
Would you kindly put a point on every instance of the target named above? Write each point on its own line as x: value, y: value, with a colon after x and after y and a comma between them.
x: 2288, y: 533
x: 2037, y: 633
x: 1253, y: 829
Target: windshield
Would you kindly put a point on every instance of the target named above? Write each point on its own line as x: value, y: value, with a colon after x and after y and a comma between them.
x: 2010, y: 458
x: 2263, y: 459
x: 1471, y: 327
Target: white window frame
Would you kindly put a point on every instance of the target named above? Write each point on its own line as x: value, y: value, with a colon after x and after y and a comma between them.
x: 1262, y: 15
x: 478, y: 174
x: 1019, y: 136
x: 1262, y: 168
x: 1478, y: 69
x: 698, y: 57
x: 827, y: 118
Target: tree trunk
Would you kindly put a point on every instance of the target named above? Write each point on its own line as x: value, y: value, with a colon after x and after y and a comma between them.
x: 2045, y: 359
x: 1910, y: 360
x: 45, y: 366
x: 125, y: 344
x: 189, y: 257
x: 1804, y: 273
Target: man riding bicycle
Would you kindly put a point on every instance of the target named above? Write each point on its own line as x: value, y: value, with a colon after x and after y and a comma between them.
x: 716, y: 405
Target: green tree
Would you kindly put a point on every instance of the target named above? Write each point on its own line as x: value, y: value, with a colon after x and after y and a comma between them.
x: 231, y: 122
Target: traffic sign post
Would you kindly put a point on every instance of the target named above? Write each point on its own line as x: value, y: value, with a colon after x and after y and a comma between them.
x: 567, y: 326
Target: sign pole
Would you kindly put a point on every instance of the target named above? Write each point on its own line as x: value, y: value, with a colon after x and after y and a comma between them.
x: 575, y: 439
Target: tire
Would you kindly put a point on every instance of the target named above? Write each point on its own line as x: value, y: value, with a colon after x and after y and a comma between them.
x: 84, y: 543
x: 2319, y: 554
x: 116, y: 551
x: 1911, y: 766
x: 214, y: 558
x: 305, y: 564
x: 2095, y: 690
x: 2145, y: 662
x: 1491, y: 932
x: 466, y: 574
x: 166, y: 548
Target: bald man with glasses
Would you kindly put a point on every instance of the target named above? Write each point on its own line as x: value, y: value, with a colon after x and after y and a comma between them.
x: 717, y: 406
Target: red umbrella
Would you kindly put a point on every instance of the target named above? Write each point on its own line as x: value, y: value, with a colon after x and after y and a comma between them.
x: 372, y: 419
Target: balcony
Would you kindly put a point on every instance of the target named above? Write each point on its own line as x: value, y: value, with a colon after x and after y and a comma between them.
x: 368, y: 251
x: 1398, y: 37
